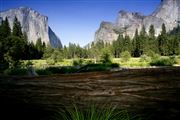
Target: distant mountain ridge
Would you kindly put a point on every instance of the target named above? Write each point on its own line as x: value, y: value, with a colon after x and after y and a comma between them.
x: 168, y: 12
x: 33, y: 24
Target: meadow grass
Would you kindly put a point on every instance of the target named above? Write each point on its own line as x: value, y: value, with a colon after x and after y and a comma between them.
x: 133, y: 62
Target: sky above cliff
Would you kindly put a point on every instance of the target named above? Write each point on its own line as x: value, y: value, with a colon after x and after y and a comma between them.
x: 76, y: 21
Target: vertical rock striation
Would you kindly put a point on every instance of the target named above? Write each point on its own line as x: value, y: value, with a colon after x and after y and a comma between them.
x: 168, y: 12
x: 33, y: 24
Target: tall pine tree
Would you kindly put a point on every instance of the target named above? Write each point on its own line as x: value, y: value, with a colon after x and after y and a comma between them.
x: 136, y: 43
x: 17, y: 28
x: 143, y: 41
x: 163, y: 41
x: 152, y: 43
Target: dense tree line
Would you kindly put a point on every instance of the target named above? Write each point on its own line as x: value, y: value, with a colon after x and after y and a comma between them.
x: 165, y: 44
x: 14, y: 45
x: 143, y: 43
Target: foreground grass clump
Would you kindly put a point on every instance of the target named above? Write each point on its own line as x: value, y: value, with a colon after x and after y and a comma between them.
x: 93, y: 113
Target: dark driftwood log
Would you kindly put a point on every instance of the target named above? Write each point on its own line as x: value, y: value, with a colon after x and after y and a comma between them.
x: 155, y: 91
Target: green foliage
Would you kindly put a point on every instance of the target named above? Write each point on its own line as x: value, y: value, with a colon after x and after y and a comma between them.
x: 163, y: 41
x: 125, y: 56
x: 14, y: 50
x: 56, y: 70
x: 77, y: 62
x: 14, y: 46
x: 93, y: 113
x: 16, y: 71
x: 106, y: 56
x: 151, y: 54
x: 50, y: 61
x: 115, y: 65
x: 163, y: 61
x: 17, y: 28
x: 43, y: 72
x: 57, y: 55
x: 98, y: 67
x: 145, y: 58
x: 126, y: 44
x: 136, y: 43
x: 40, y: 47
x: 5, y: 29
x: 48, y: 51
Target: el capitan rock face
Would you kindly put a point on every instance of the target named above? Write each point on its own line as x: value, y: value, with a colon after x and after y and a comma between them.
x: 168, y: 12
x: 33, y: 24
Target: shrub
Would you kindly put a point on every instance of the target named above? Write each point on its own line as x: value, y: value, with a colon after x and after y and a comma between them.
x: 16, y: 71
x: 114, y: 65
x: 106, y: 56
x: 125, y: 56
x: 77, y: 62
x: 43, y: 72
x: 145, y: 58
x: 65, y: 70
x: 50, y: 61
x: 163, y: 61
x: 53, y: 70
x: 151, y: 53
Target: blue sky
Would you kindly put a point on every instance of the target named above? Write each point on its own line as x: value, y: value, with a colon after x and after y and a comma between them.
x: 76, y: 21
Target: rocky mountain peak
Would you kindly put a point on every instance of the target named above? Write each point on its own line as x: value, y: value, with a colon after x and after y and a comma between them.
x: 34, y: 24
x: 168, y: 12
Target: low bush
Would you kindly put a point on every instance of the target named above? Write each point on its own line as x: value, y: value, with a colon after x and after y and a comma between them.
x: 163, y: 61
x: 50, y: 61
x: 98, y: 67
x: 77, y: 62
x: 114, y: 65
x: 125, y: 56
x: 16, y: 71
x: 53, y: 70
x: 43, y: 72
x: 145, y: 58
x: 106, y: 58
x: 64, y: 70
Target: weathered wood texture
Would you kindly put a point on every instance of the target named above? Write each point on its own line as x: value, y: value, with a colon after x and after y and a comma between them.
x: 155, y: 91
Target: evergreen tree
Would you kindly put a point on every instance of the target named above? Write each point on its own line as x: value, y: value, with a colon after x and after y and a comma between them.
x: 126, y: 45
x: 5, y: 31
x: 152, y: 43
x: 48, y: 51
x: 117, y: 46
x: 17, y: 28
x: 143, y: 41
x: 151, y: 31
x: 136, y: 45
x: 163, y: 41
x: 39, y: 45
x: 14, y: 49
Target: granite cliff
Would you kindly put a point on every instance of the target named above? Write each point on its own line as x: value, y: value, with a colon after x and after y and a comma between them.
x: 33, y: 24
x: 168, y: 12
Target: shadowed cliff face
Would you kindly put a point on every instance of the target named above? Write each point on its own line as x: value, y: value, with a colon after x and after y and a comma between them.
x: 33, y: 24
x: 167, y: 12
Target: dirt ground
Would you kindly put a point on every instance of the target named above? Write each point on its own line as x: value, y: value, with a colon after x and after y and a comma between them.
x: 152, y: 93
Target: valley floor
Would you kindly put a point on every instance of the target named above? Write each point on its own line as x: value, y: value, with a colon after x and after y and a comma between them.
x: 152, y: 93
